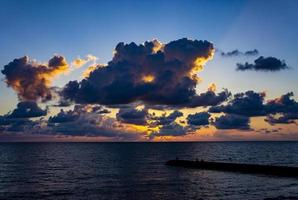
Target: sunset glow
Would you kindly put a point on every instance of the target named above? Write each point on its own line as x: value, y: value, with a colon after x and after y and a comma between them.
x: 171, y: 79
x: 149, y: 99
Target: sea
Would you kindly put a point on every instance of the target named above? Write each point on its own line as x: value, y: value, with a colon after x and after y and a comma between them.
x: 137, y: 171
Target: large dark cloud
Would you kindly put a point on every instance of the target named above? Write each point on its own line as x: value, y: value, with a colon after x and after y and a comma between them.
x: 32, y: 80
x: 27, y: 109
x: 231, y: 121
x: 236, y: 52
x: 263, y: 64
x: 198, y: 119
x: 150, y: 72
x: 249, y: 103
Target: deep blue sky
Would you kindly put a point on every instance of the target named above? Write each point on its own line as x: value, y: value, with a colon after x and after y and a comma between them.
x: 76, y: 28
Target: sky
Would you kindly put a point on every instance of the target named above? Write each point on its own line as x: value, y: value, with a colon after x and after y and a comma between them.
x: 148, y: 70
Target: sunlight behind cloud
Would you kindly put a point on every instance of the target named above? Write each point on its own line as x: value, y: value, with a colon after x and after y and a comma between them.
x: 148, y: 78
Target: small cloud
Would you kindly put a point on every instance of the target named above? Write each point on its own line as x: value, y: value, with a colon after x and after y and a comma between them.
x: 231, y: 121
x: 133, y: 116
x: 236, y: 52
x: 198, y: 119
x: 286, y: 118
x: 27, y: 109
x: 212, y: 87
x: 62, y: 117
x: 166, y: 119
x: 269, y: 64
x: 209, y: 98
x: 172, y: 129
x: 79, y: 62
x: 254, y: 52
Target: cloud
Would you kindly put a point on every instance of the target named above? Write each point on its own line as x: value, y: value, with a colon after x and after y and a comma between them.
x: 198, y: 119
x: 62, y: 103
x: 165, y: 124
x: 83, y: 120
x: 152, y: 72
x: 287, y: 118
x: 254, y: 52
x: 27, y: 109
x: 264, y: 64
x: 4, y: 120
x: 143, y: 117
x: 285, y: 107
x: 283, y: 104
x: 252, y: 104
x: 78, y: 110
x: 79, y: 62
x: 8, y: 124
x: 18, y: 120
x: 212, y: 87
x: 231, y: 121
x: 62, y: 116
x: 91, y: 68
x: 236, y: 52
x: 32, y: 80
x: 89, y: 126
x: 21, y: 125
x: 209, y: 98
x: 132, y: 116
x: 88, y: 120
x: 280, y: 110
x: 268, y: 131
x: 172, y: 129
x: 231, y: 53
x: 166, y: 119
x: 249, y: 103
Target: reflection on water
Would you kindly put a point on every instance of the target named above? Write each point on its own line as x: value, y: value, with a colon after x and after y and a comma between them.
x: 137, y: 171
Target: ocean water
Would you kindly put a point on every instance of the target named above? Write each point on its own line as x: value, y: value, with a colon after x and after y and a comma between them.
x: 138, y: 171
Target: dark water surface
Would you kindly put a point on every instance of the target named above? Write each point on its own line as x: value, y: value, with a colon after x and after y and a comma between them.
x: 137, y: 171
